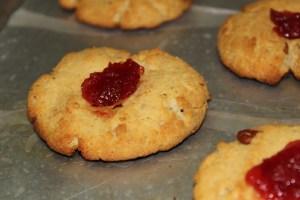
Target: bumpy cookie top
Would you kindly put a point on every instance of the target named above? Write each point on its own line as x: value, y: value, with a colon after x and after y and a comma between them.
x: 222, y: 175
x: 168, y: 105
x: 126, y: 14
x: 250, y: 46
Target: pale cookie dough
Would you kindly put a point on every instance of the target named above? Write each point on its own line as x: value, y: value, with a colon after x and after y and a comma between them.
x: 126, y: 14
x: 168, y: 106
x: 221, y: 175
x: 250, y: 48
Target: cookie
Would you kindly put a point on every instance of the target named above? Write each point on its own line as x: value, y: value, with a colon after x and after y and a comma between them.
x: 222, y: 175
x: 250, y: 46
x: 168, y: 105
x: 126, y: 14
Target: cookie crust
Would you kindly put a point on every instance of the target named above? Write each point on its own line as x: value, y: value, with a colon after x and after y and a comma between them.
x: 168, y: 106
x: 222, y: 174
x: 126, y: 14
x: 249, y: 47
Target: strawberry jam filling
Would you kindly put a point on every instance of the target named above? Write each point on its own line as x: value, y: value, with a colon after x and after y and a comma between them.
x: 287, y: 24
x: 278, y: 177
x: 114, y: 84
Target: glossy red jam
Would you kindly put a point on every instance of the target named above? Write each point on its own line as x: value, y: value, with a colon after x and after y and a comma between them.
x: 114, y: 84
x: 245, y: 136
x: 287, y: 23
x: 278, y: 177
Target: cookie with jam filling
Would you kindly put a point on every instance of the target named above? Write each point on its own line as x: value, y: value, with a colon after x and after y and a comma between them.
x: 126, y: 14
x: 262, y: 42
x: 263, y: 163
x: 111, y: 105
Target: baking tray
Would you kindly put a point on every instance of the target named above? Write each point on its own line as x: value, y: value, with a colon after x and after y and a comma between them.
x: 38, y: 34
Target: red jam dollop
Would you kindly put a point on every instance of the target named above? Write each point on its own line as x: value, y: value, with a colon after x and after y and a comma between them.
x: 287, y: 23
x: 245, y: 136
x: 278, y: 177
x: 114, y: 84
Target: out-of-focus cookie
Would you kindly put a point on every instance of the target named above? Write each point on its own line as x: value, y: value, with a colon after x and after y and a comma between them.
x: 168, y: 105
x: 126, y: 14
x: 250, y: 46
x: 230, y: 172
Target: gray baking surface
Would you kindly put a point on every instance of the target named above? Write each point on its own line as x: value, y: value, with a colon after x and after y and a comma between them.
x: 39, y: 33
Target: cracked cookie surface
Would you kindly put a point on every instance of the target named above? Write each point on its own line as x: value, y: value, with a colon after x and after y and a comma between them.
x: 222, y: 173
x: 250, y: 47
x: 168, y: 106
x: 126, y: 14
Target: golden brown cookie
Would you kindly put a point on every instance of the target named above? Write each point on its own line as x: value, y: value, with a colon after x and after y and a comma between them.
x: 222, y: 174
x: 250, y: 47
x: 168, y: 106
x: 126, y: 14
